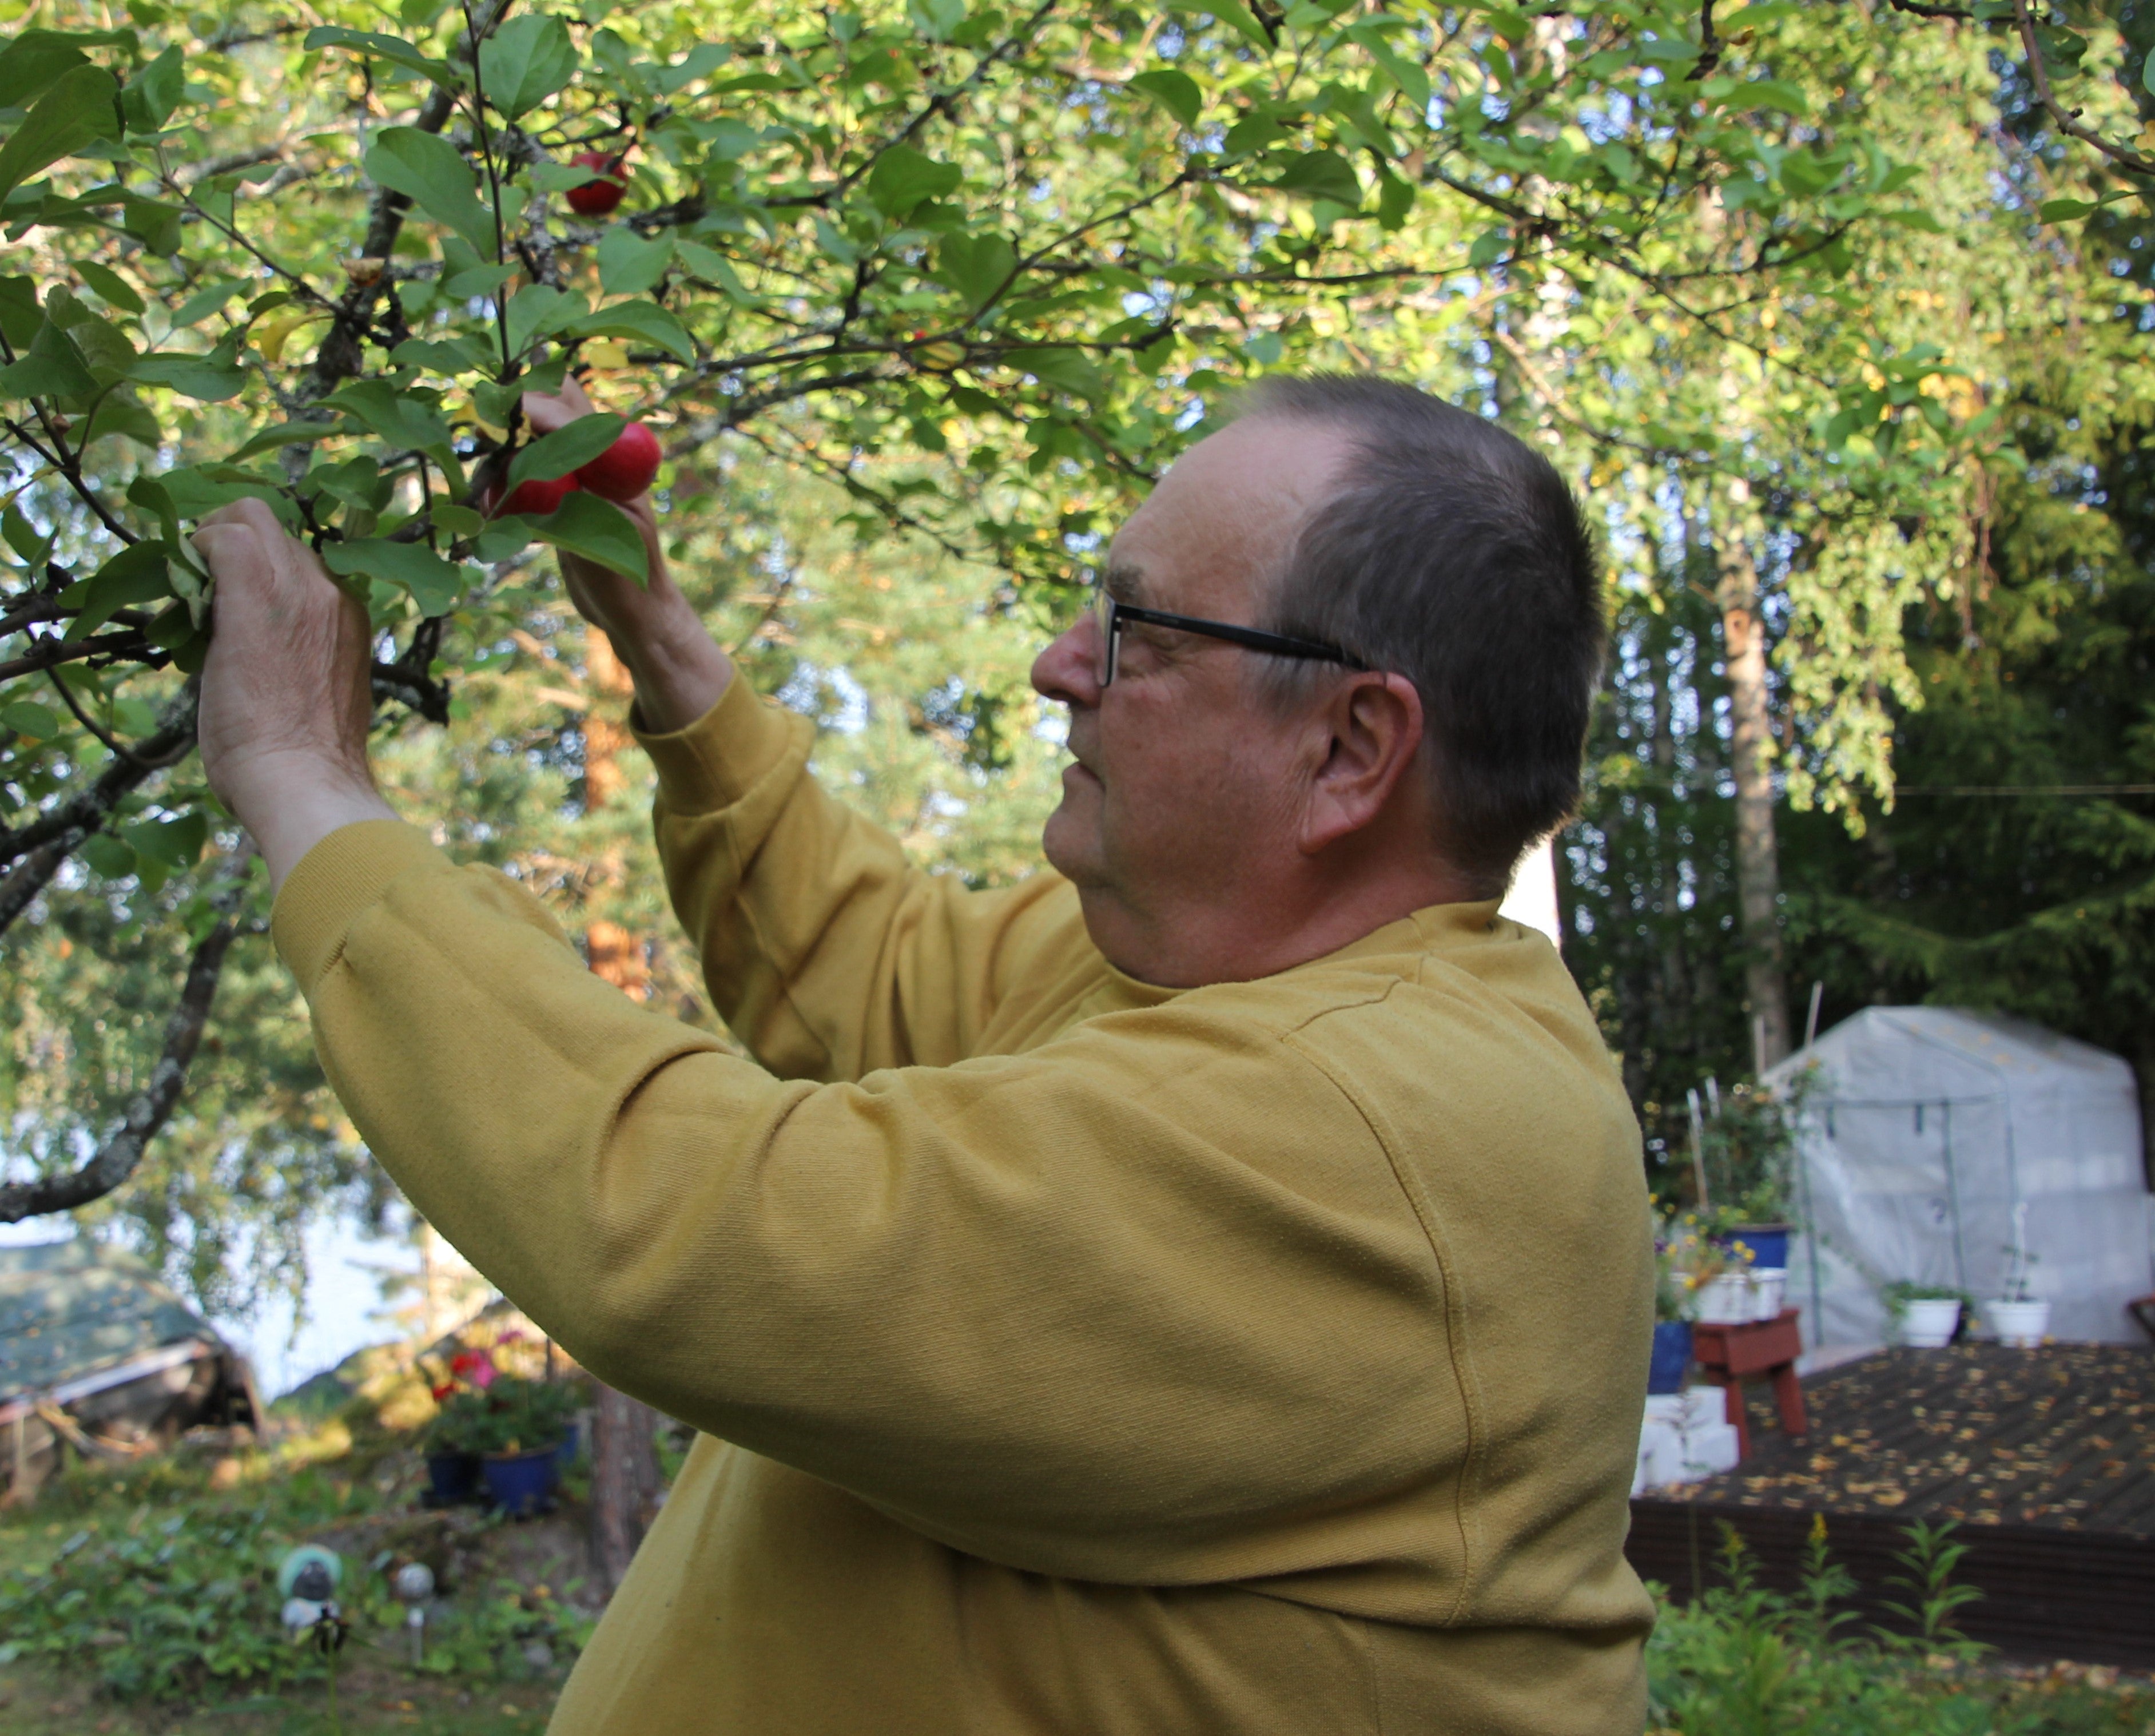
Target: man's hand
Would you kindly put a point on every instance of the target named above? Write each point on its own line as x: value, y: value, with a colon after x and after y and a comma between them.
x: 285, y: 701
x: 680, y: 672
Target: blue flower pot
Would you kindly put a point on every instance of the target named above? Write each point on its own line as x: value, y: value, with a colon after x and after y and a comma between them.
x: 1671, y: 1356
x: 452, y: 1477
x: 1768, y: 1244
x: 571, y: 1439
x: 523, y: 1483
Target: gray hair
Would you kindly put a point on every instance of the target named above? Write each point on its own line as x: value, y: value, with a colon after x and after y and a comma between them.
x: 1455, y: 554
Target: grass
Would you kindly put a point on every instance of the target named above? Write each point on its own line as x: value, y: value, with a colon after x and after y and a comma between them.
x: 143, y: 1603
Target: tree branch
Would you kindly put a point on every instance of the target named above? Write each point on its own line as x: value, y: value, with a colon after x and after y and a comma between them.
x: 152, y: 1106
x: 2067, y: 121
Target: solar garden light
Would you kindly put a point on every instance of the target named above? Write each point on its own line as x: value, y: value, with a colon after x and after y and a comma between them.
x: 413, y: 1583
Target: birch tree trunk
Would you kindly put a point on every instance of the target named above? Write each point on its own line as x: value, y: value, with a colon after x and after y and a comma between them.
x: 1751, y: 739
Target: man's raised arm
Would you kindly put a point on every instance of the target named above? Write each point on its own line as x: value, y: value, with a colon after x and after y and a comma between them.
x: 826, y: 951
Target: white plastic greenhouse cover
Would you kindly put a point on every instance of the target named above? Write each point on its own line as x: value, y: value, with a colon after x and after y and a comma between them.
x: 1925, y: 1125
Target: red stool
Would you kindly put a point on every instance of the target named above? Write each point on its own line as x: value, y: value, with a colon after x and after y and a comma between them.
x: 1759, y: 1347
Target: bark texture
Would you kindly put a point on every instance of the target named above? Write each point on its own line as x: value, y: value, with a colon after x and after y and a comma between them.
x: 1758, y: 850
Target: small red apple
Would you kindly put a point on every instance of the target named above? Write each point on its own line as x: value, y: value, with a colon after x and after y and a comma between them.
x: 598, y: 196
x: 533, y: 499
x: 625, y: 469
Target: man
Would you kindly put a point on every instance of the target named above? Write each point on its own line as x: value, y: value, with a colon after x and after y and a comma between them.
x: 1203, y: 1289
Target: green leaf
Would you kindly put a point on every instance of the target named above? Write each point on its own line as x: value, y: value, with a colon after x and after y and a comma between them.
x: 975, y: 266
x: 206, y: 300
x: 385, y: 48
x: 628, y: 264
x: 1409, y: 75
x: 1395, y: 199
x: 598, y: 530
x: 26, y: 717
x: 2061, y: 211
x: 20, y: 315
x: 1235, y: 16
x: 108, y: 856
x: 123, y: 413
x: 713, y: 267
x: 77, y: 108
x: 155, y: 224
x: 286, y: 433
x: 115, y: 288
x: 153, y: 497
x: 173, y: 843
x: 22, y: 537
x: 538, y: 311
x: 936, y: 19
x: 204, y: 378
x: 564, y: 449
x: 51, y: 367
x: 137, y: 574
x: 643, y: 320
x: 524, y: 62
x: 1071, y: 370
x: 153, y: 93
x: 903, y: 177
x: 427, y: 169
x: 400, y: 418
x: 1176, y: 92
x: 433, y: 583
x: 30, y: 62
x: 1323, y: 175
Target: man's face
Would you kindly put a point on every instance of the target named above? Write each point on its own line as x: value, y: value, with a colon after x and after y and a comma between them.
x: 1184, y: 781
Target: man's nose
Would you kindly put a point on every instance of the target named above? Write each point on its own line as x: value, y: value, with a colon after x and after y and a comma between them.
x: 1069, y: 669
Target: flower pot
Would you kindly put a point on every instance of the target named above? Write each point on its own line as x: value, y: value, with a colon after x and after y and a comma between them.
x: 2020, y: 1325
x: 1768, y: 1288
x: 1671, y: 1356
x: 1927, y: 1324
x: 521, y: 1483
x: 1725, y: 1300
x: 1768, y: 1244
x: 452, y: 1477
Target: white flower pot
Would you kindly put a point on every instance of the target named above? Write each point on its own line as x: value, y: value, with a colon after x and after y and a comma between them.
x: 1725, y: 1300
x: 2021, y: 1324
x: 1769, y: 1286
x: 1928, y: 1325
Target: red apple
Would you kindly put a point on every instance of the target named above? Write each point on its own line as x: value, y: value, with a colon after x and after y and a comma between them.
x: 598, y: 196
x: 533, y: 499
x: 625, y: 469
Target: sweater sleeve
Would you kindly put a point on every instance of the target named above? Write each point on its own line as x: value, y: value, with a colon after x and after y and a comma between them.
x: 1133, y: 1306
x: 826, y: 952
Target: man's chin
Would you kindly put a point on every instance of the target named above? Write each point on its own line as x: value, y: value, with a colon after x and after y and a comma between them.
x: 1071, y: 842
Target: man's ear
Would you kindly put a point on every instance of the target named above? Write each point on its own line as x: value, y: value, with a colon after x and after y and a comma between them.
x: 1372, y: 729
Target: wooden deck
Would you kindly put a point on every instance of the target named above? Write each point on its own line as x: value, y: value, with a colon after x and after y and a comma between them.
x: 2045, y: 1459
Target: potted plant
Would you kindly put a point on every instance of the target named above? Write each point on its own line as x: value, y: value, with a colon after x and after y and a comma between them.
x: 519, y: 1443
x: 454, y: 1441
x: 1672, y: 1307
x: 2018, y: 1316
x: 1925, y: 1316
x: 1747, y: 1154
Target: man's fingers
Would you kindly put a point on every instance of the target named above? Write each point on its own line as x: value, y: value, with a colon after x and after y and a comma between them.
x: 548, y: 411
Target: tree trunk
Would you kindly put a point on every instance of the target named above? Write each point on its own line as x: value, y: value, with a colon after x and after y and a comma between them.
x: 624, y: 1488
x: 1757, y: 855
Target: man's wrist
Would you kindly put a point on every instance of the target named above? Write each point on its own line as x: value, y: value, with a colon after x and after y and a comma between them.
x: 680, y: 673
x: 290, y: 803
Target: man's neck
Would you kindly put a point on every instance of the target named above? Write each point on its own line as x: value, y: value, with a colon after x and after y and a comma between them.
x: 1263, y: 930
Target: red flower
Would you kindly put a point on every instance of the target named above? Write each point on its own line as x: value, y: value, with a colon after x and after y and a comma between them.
x: 443, y: 1392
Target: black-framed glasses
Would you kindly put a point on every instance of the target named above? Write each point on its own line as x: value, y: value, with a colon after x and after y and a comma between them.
x: 1109, y: 614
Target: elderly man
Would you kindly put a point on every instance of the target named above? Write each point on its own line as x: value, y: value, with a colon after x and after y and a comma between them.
x: 1204, y: 1289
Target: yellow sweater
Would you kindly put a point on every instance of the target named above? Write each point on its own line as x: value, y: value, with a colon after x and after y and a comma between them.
x: 1071, y: 1355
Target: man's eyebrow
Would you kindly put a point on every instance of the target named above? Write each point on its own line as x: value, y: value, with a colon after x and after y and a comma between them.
x: 1124, y: 583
